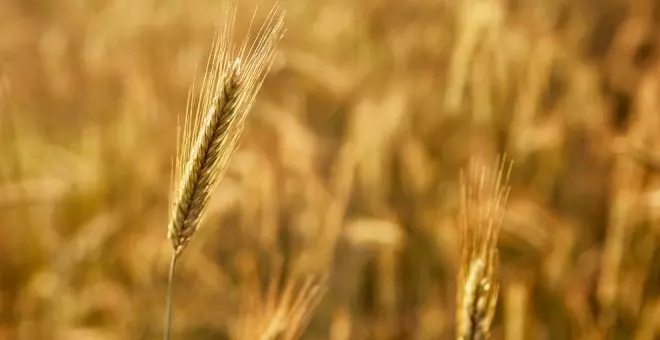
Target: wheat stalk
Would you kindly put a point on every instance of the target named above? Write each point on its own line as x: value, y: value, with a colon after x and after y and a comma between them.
x: 484, y: 192
x: 213, y: 124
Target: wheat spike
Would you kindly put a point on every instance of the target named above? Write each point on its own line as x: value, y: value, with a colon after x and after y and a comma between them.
x: 285, y: 309
x: 484, y: 192
x: 213, y: 123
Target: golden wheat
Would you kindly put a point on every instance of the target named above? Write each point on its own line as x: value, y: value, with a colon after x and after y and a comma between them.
x: 484, y: 192
x: 285, y: 310
x: 213, y: 124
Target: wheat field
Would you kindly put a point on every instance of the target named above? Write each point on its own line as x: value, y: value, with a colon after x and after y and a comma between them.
x: 407, y: 169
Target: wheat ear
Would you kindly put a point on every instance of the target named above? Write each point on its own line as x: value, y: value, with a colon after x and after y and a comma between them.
x: 484, y: 192
x: 213, y: 124
x: 285, y: 309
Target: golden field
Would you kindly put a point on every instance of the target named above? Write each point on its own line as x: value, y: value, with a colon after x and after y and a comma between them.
x: 348, y: 168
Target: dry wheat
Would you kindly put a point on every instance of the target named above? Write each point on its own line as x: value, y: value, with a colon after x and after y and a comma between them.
x: 284, y: 311
x: 484, y: 193
x: 213, y: 124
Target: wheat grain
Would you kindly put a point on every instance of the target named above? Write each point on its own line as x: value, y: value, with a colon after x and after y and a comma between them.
x: 213, y: 124
x: 484, y: 193
x: 284, y: 311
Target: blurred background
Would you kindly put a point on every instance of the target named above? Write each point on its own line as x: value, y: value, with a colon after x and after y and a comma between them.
x: 349, y: 163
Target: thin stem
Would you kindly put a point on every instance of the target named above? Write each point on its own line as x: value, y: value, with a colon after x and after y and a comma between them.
x: 168, y: 307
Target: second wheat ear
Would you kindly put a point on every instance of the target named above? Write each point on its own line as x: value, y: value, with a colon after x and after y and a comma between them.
x: 213, y: 123
x: 484, y: 193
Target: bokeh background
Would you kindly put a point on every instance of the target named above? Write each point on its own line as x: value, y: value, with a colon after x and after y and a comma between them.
x: 349, y: 164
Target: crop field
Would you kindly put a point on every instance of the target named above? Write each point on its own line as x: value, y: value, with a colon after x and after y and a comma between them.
x: 316, y: 169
